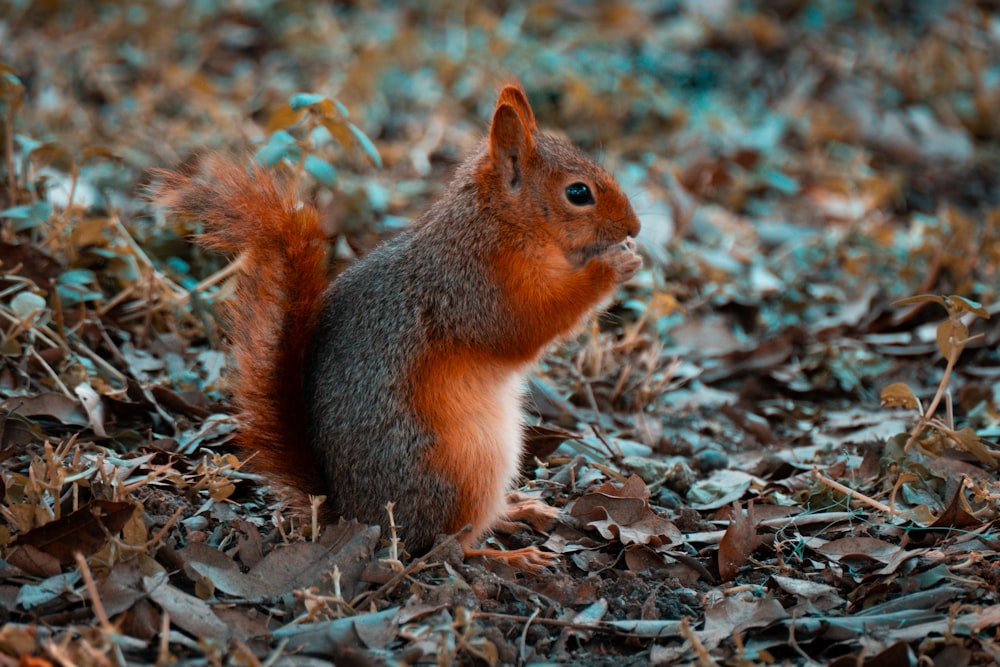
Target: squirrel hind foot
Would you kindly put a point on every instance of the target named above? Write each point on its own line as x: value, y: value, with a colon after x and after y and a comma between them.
x: 526, y: 559
x: 525, y: 510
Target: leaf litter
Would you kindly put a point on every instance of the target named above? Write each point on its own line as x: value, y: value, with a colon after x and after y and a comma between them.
x: 778, y: 447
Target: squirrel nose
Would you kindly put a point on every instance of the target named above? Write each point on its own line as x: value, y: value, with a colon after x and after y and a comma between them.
x: 632, y: 223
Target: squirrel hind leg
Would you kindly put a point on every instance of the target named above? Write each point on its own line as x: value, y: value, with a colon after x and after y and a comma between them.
x: 526, y: 559
x: 522, y: 511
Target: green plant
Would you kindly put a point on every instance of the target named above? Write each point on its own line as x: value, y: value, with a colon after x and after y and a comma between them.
x: 318, y: 119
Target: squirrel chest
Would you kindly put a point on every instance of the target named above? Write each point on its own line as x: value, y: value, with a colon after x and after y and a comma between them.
x: 473, y: 407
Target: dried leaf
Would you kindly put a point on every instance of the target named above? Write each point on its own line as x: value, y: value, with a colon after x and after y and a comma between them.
x: 951, y: 333
x: 624, y: 514
x: 969, y: 306
x: 956, y: 515
x: 284, y: 117
x: 739, y: 542
x: 969, y: 440
x: 899, y: 395
x: 84, y: 531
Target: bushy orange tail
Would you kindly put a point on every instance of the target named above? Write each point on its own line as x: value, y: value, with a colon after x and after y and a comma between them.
x: 272, y: 315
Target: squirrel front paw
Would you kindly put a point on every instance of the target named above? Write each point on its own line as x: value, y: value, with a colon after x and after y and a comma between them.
x: 623, y: 258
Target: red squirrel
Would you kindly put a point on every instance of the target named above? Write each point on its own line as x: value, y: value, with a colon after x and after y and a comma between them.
x: 401, y: 380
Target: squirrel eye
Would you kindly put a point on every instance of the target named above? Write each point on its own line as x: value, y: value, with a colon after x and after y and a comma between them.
x: 579, y: 194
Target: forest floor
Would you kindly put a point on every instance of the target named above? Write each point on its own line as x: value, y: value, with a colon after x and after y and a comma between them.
x: 779, y: 445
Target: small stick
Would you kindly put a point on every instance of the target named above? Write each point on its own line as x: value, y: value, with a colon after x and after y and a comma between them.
x: 851, y: 492
x: 95, y: 599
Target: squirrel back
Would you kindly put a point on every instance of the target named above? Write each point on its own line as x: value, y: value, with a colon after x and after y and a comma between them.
x: 402, y: 380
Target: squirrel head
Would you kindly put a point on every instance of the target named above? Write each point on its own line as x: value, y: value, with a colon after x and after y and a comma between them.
x: 552, y: 188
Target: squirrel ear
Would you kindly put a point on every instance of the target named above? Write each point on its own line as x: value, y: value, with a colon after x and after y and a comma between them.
x: 510, y: 143
x: 513, y: 95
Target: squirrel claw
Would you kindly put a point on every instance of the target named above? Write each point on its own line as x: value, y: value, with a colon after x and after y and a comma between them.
x: 526, y: 559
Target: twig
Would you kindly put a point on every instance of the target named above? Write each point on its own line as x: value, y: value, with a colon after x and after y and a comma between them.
x: 163, y: 653
x: 704, y: 659
x: 9, y: 155
x: 523, y: 648
x: 55, y: 376
x: 558, y: 623
x: 851, y: 492
x: 314, y: 504
x: 95, y: 598
x: 412, y: 567
x: 276, y: 654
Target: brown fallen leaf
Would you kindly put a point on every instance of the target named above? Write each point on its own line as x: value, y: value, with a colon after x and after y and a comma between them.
x: 624, y: 514
x: 51, y: 404
x: 188, y: 612
x: 739, y: 542
x: 85, y: 531
x: 955, y: 516
x: 729, y: 615
x: 540, y: 441
x: 331, y: 637
x: 350, y: 546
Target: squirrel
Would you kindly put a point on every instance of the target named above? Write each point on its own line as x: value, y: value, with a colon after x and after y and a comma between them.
x: 401, y: 380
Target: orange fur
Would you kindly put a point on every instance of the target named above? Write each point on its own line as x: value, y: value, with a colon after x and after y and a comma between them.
x: 461, y: 395
x: 272, y: 313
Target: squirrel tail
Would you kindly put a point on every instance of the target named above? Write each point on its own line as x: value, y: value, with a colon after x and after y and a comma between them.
x: 276, y: 302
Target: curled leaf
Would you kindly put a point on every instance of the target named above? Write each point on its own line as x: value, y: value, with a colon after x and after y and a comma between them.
x: 968, y: 306
x: 899, y: 395
x: 99, y: 151
x: 968, y: 440
x: 48, y: 153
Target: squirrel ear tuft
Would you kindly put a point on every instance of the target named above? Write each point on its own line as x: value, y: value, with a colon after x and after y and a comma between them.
x: 513, y: 95
x: 511, y: 143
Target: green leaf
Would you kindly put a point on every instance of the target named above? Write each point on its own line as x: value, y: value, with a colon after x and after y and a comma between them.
x: 279, y: 146
x: 366, y: 145
x: 27, y: 304
x: 30, y: 215
x: 26, y: 143
x: 77, y: 285
x: 300, y: 101
x: 321, y: 170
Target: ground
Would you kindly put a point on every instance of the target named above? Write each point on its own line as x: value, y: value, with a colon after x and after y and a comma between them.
x: 777, y: 446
